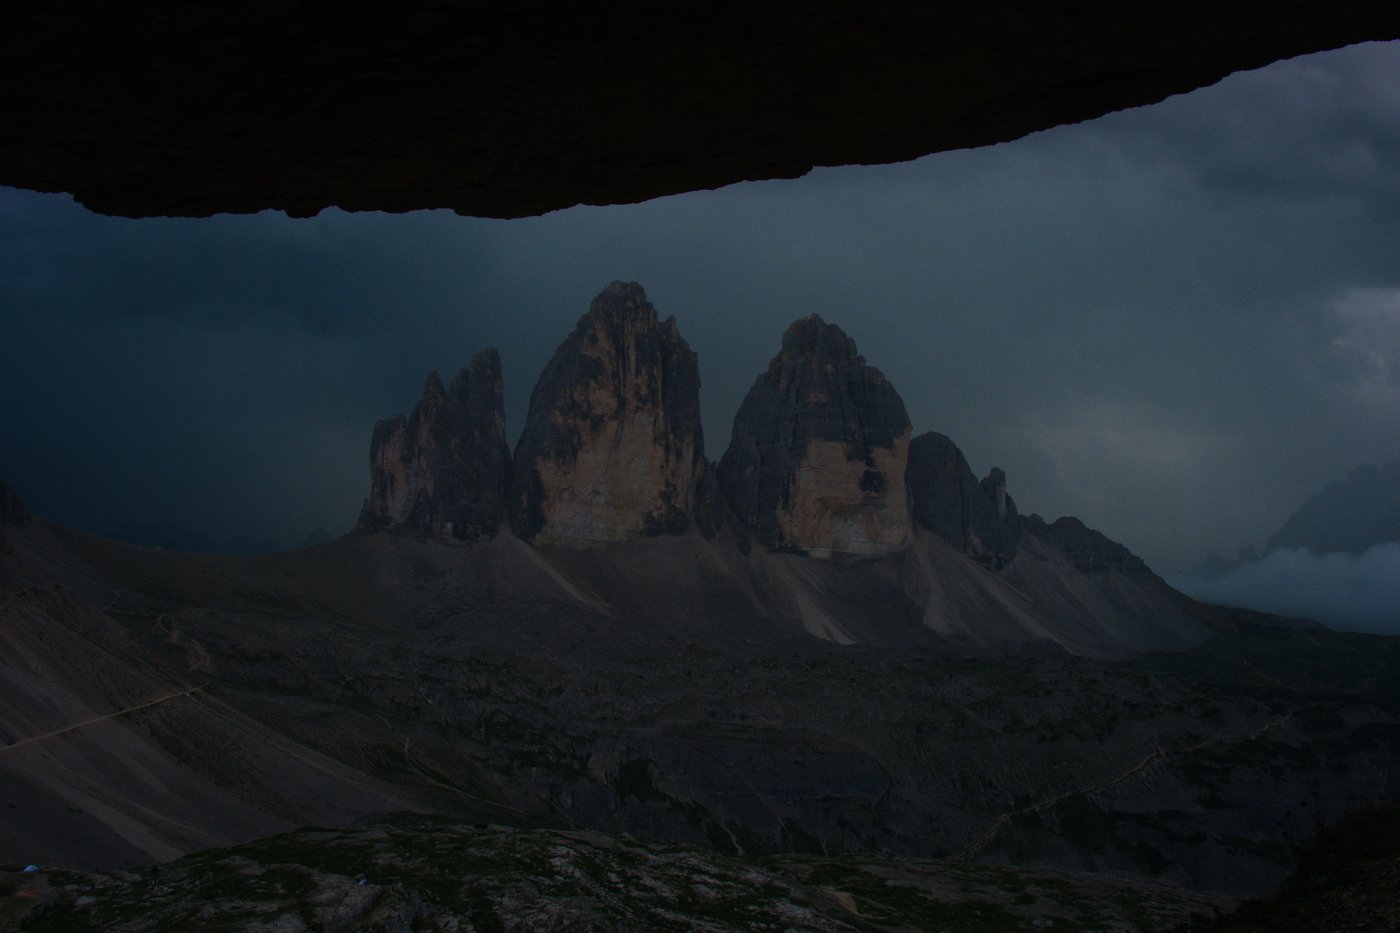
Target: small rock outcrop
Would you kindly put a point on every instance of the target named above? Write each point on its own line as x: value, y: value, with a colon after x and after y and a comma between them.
x: 442, y: 471
x: 817, y: 458
x: 612, y: 447
x: 979, y: 519
x: 1090, y: 551
x: 12, y: 510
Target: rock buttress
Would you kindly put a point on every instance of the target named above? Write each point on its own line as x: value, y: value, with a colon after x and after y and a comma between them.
x: 1090, y: 551
x: 978, y: 518
x: 442, y: 471
x: 818, y: 454
x: 612, y: 447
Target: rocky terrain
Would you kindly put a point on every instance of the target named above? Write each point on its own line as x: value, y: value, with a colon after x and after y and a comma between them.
x: 1348, y: 881
x: 424, y: 874
x: 161, y: 703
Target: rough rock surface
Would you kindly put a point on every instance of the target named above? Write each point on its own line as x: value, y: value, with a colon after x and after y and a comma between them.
x: 442, y: 471
x: 513, y: 109
x: 168, y: 703
x: 819, y: 449
x: 979, y: 519
x: 433, y: 874
x: 1090, y: 551
x: 612, y: 447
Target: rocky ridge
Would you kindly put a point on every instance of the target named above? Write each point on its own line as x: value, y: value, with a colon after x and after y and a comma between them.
x: 820, y: 460
x: 662, y: 688
x: 441, y: 472
x: 977, y: 518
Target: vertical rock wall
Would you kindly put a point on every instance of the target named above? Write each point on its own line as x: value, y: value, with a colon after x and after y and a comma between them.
x: 612, y: 447
x: 819, y: 449
x: 442, y: 471
x: 978, y: 518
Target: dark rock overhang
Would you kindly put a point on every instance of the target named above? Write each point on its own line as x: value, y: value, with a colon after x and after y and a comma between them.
x: 515, y: 109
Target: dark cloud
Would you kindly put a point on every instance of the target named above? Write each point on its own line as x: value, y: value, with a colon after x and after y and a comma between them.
x: 1316, y: 127
x: 1174, y: 322
x: 1350, y: 592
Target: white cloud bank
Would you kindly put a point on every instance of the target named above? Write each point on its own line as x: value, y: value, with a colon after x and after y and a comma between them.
x: 1345, y: 591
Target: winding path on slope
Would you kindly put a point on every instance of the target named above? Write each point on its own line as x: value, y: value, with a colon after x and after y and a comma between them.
x: 993, y: 829
x: 112, y: 715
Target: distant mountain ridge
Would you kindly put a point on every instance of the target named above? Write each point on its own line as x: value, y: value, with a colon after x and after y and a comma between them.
x: 1351, y: 515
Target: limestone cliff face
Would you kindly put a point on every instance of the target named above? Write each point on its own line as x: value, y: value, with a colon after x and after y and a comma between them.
x: 818, y: 454
x: 612, y: 447
x: 442, y: 471
x: 978, y: 518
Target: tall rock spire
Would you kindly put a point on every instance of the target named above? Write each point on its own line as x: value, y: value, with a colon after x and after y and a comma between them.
x: 442, y: 471
x: 612, y: 447
x: 818, y: 453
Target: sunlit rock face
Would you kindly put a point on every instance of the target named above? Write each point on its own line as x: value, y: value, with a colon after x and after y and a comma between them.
x: 978, y: 518
x: 612, y: 447
x: 818, y: 454
x: 442, y: 471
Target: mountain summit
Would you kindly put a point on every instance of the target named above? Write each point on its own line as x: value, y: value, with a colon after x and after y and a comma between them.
x: 612, y: 447
x: 817, y: 457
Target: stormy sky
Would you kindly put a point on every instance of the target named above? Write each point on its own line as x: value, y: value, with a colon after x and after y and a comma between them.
x: 1174, y: 322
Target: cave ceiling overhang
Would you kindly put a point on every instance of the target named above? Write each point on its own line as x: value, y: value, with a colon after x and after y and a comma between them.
x: 517, y: 109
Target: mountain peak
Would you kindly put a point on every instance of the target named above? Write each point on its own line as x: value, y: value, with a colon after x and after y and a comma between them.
x: 1350, y: 515
x: 812, y: 338
x: 817, y: 457
x: 622, y: 299
x: 612, y: 447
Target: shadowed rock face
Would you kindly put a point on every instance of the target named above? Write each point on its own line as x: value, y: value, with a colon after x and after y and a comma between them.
x: 979, y: 519
x: 818, y: 454
x: 612, y: 447
x: 441, y: 472
x: 1090, y: 551
x: 507, y: 110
